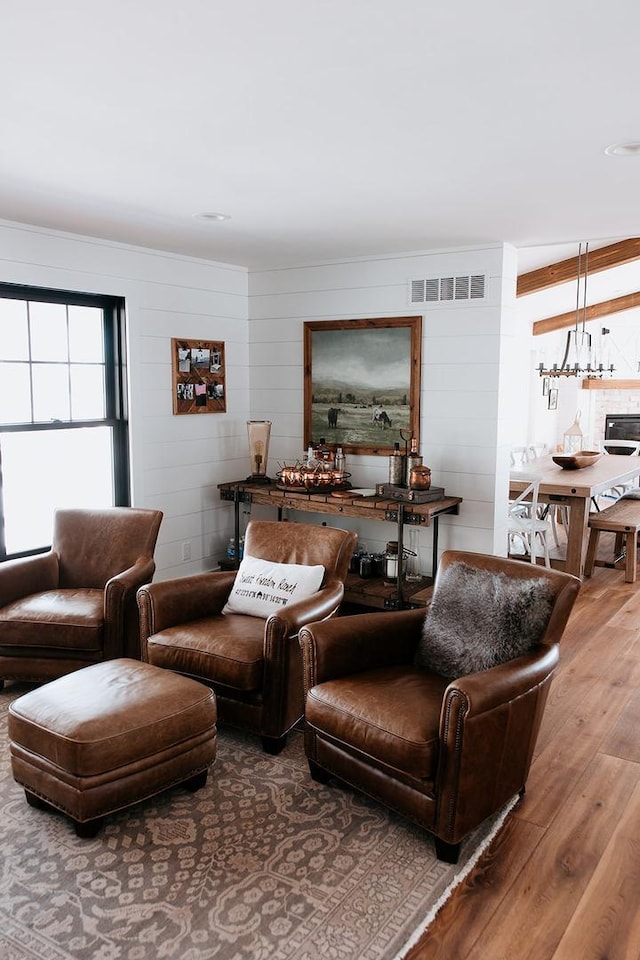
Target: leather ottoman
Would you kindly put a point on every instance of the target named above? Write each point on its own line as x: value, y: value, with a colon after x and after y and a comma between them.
x: 106, y: 736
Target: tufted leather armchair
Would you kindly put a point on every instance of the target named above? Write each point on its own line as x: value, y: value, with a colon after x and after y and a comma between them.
x: 254, y: 665
x: 76, y: 604
x: 445, y: 754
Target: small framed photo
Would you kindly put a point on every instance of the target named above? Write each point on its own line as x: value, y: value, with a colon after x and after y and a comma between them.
x: 552, y: 402
x: 546, y: 386
x: 198, y: 376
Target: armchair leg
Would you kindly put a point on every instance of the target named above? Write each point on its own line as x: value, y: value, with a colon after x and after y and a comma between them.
x: 274, y: 745
x: 196, y: 782
x: 447, y: 852
x: 318, y: 774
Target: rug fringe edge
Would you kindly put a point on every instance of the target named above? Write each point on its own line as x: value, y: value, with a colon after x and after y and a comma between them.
x: 419, y: 932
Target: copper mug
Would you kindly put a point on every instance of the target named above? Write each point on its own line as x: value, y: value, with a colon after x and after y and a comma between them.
x: 420, y: 478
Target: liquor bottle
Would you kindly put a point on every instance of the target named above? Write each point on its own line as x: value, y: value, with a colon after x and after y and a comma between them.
x: 413, y: 460
x: 324, y: 453
x: 396, y: 467
x: 391, y: 562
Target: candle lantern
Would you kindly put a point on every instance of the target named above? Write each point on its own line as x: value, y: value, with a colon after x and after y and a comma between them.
x: 573, y: 437
x: 259, y: 432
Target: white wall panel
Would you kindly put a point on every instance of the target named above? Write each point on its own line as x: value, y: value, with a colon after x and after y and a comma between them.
x: 31, y: 247
x: 442, y: 404
x: 378, y: 271
x: 278, y: 353
x: 454, y: 350
x: 475, y: 377
x: 466, y: 435
x: 460, y: 320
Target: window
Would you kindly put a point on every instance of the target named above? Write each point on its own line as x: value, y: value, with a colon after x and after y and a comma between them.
x: 63, y: 426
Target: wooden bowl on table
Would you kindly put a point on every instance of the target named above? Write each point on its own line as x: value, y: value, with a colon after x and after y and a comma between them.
x: 575, y: 461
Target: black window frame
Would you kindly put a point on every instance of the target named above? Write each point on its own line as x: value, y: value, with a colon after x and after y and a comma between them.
x: 116, y: 396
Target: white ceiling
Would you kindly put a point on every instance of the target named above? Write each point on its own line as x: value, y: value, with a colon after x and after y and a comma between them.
x: 325, y: 128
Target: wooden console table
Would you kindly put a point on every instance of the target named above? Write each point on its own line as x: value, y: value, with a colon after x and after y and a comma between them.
x: 366, y: 508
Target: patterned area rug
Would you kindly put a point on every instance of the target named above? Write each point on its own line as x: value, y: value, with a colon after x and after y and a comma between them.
x: 261, y: 863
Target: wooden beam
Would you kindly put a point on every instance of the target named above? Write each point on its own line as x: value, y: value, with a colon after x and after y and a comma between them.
x: 595, y: 312
x: 597, y: 384
x: 602, y: 259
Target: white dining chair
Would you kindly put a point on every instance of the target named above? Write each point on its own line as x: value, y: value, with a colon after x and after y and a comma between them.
x: 556, y: 513
x: 537, y: 450
x: 524, y: 522
x: 519, y: 456
x: 625, y: 448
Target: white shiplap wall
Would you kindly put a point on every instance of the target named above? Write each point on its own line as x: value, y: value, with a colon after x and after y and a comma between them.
x: 469, y: 397
x: 176, y: 461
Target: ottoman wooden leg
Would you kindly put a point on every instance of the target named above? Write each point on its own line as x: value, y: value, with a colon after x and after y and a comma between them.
x: 37, y: 802
x: 88, y: 829
x: 84, y: 830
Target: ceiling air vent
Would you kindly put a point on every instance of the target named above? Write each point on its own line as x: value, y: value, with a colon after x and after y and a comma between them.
x: 447, y: 289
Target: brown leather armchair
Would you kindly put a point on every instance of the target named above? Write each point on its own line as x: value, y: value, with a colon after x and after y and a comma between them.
x: 76, y: 604
x: 254, y: 665
x: 446, y: 754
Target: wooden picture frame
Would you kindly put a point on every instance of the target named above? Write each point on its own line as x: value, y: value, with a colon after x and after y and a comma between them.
x: 198, y: 376
x: 362, y: 383
x: 552, y: 399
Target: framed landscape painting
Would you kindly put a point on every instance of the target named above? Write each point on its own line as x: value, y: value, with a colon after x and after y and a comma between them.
x: 362, y: 383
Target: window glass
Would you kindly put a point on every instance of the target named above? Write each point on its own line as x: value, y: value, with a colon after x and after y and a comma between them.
x: 36, y: 479
x: 87, y: 392
x: 14, y: 337
x: 48, y: 323
x: 50, y: 392
x: 15, y: 393
x: 86, y: 340
x: 63, y: 431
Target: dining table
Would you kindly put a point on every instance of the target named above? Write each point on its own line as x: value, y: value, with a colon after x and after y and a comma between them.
x: 578, y: 489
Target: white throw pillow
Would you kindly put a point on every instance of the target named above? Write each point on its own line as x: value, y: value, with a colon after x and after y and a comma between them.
x: 262, y: 587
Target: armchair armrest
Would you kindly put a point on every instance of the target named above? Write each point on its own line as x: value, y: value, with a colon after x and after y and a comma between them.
x: 283, y: 687
x: 489, y: 725
x: 319, y: 606
x: 170, y: 602
x: 484, y: 691
x: 26, y: 575
x: 117, y: 588
x: 342, y: 646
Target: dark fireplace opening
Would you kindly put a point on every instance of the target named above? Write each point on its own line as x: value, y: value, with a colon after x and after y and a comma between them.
x: 622, y: 426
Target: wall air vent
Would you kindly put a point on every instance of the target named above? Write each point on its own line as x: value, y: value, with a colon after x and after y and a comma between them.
x: 447, y: 289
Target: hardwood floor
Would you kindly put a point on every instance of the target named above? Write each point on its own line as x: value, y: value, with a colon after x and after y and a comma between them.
x: 562, y: 880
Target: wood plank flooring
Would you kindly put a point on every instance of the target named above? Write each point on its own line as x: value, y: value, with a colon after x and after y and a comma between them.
x: 562, y: 880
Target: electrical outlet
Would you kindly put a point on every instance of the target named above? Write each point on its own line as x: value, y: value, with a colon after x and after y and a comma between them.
x: 186, y: 551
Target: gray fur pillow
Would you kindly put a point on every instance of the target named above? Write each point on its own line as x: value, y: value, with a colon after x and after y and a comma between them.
x: 478, y: 619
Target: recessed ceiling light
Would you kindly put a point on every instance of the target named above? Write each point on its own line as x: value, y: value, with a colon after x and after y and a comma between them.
x: 212, y: 216
x: 631, y: 149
